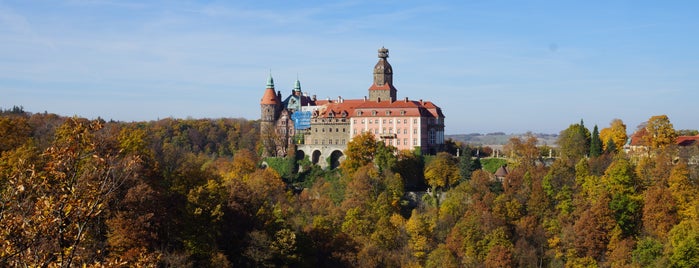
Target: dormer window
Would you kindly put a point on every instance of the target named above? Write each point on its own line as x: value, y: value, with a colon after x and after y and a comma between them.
x: 388, y: 112
x: 374, y: 112
x: 331, y: 114
x: 402, y: 112
x: 359, y: 113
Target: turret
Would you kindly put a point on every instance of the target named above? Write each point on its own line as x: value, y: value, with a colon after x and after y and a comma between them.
x: 270, y: 105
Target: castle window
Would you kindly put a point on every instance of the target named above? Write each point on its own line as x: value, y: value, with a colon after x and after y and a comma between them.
x: 405, y: 141
x: 322, y: 129
x: 362, y: 121
x: 337, y: 141
x: 414, y: 141
x: 359, y: 113
x: 315, y: 141
x: 402, y: 112
x: 405, y: 131
x: 390, y: 130
x: 376, y: 131
x: 355, y: 131
x: 415, y: 121
x: 343, y: 130
x: 322, y: 142
x: 343, y: 141
x: 373, y: 112
x: 414, y: 130
x: 376, y: 121
x: 354, y: 121
x: 397, y: 142
x: 330, y: 141
x: 390, y: 121
x: 384, y: 121
x: 383, y: 131
x: 337, y: 130
x: 405, y: 121
x: 388, y: 112
x: 398, y: 131
x: 330, y: 129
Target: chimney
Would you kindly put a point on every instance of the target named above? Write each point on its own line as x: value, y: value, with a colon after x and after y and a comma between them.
x: 314, y: 97
x: 421, y: 102
x: 364, y: 98
x: 378, y: 99
x: 406, y: 99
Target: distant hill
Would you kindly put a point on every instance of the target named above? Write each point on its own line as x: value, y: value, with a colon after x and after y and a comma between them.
x: 500, y: 138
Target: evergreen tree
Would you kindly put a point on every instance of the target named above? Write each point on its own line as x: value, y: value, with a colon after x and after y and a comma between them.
x: 595, y: 143
x: 465, y: 166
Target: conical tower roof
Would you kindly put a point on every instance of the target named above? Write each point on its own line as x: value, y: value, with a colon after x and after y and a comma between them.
x: 270, y: 97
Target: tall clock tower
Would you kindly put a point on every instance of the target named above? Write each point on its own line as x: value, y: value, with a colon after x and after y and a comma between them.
x: 382, y: 89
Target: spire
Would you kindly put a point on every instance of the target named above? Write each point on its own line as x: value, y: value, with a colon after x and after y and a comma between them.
x: 270, y: 81
x: 297, y: 85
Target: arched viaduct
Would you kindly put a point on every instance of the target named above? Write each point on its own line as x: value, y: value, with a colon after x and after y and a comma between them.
x: 322, y: 155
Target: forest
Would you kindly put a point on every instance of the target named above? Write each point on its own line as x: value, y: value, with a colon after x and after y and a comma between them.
x: 193, y: 193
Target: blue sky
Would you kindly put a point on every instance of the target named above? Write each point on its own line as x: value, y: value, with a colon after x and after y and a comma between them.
x: 511, y: 66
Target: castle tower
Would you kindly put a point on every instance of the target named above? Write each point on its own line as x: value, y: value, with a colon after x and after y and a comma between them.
x: 269, y: 110
x: 382, y: 88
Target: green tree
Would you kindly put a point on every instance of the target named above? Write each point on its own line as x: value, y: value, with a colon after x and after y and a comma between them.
x: 595, y: 143
x: 647, y: 252
x: 684, y: 244
x: 574, y: 143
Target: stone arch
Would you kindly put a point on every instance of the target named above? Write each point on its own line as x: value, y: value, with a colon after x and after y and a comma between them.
x: 315, y: 157
x: 300, y: 155
x: 335, y: 158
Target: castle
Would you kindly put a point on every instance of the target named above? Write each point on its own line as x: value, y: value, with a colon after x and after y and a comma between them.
x: 321, y: 129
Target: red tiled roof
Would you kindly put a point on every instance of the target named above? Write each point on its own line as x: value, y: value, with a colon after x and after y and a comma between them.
x: 637, y: 137
x: 269, y: 97
x: 411, y: 108
x: 686, y: 140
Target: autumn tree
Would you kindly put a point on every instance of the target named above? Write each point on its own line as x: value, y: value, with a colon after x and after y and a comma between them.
x: 660, y: 132
x: 523, y: 151
x: 442, y: 172
x: 365, y: 149
x: 52, y: 213
x: 614, y: 136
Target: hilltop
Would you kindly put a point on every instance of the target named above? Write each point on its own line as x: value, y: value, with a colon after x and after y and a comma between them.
x: 500, y: 138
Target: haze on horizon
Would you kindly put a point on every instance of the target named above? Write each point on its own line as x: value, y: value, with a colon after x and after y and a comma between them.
x: 491, y: 66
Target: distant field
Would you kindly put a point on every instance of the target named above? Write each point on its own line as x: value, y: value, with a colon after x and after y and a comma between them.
x: 500, y: 138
